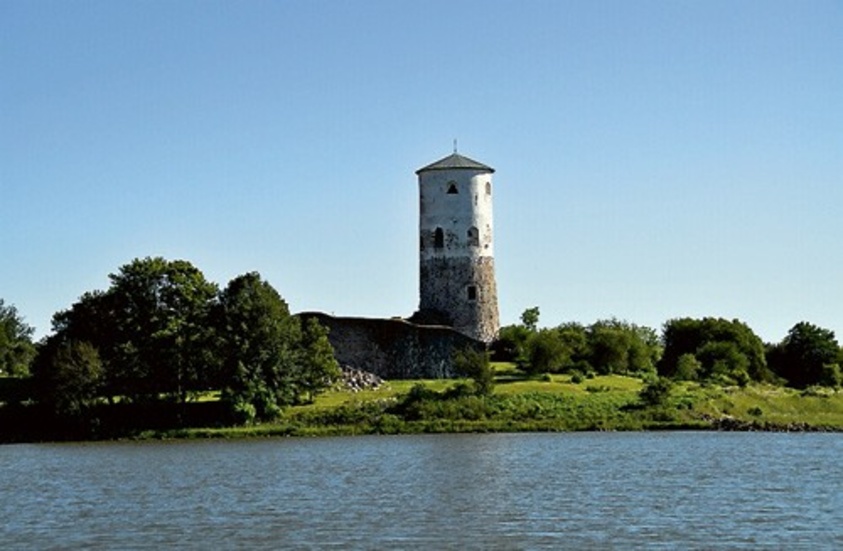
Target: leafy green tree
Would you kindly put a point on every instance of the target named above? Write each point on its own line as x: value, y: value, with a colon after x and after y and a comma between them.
x: 724, y: 348
x: 688, y: 368
x: 723, y: 361
x: 162, y: 311
x: 150, y: 328
x: 530, y: 318
x: 545, y: 352
x: 319, y: 367
x: 16, y: 348
x: 258, y: 342
x: 475, y: 364
x: 68, y: 375
x: 807, y: 356
x: 575, y: 343
x: 619, y: 347
x: 511, y: 344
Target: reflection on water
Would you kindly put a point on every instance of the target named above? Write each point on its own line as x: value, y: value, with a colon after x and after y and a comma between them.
x: 499, y: 491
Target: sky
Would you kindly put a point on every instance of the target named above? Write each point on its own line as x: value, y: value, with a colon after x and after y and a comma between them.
x: 654, y: 159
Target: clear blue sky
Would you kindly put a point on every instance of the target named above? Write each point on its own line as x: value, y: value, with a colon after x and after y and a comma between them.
x: 654, y: 159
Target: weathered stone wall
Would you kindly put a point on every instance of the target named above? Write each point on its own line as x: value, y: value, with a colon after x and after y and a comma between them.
x: 394, y: 348
x: 463, y: 292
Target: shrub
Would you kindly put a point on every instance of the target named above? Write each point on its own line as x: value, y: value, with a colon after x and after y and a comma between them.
x: 656, y: 392
x: 475, y: 364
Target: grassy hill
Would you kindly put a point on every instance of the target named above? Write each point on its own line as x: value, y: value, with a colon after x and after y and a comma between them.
x: 549, y: 403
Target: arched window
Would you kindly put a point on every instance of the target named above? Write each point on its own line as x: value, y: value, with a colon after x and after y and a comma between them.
x: 473, y: 237
x: 438, y: 238
x: 472, y: 292
x: 421, y: 242
x: 452, y: 188
x: 488, y: 188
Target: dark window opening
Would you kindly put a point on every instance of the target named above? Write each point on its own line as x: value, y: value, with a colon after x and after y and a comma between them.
x: 438, y: 238
x: 472, y: 292
x: 421, y: 242
x: 452, y: 188
x: 488, y: 188
x: 473, y: 237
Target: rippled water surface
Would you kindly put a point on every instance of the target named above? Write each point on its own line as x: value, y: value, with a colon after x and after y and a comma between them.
x: 499, y: 491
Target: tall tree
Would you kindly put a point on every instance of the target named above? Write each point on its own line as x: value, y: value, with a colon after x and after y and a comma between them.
x: 149, y: 327
x: 162, y: 312
x: 16, y: 348
x: 808, y: 355
x: 318, y: 366
x: 68, y: 375
x: 258, y: 343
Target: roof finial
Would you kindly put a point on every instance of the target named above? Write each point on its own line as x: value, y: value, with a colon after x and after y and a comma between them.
x: 455, y: 146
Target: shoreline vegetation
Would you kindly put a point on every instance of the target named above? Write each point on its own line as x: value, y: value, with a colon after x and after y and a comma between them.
x: 518, y: 403
x: 165, y: 353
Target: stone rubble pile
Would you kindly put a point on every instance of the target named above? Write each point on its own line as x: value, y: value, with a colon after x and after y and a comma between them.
x: 356, y: 380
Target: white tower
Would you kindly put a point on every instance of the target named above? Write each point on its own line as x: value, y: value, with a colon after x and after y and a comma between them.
x: 457, y: 265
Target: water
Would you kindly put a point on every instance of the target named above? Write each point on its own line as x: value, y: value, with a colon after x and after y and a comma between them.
x: 500, y: 491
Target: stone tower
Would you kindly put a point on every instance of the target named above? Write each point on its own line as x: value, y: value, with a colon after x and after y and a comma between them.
x: 457, y: 265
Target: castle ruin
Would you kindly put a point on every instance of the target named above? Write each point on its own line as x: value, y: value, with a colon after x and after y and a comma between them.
x: 458, y: 301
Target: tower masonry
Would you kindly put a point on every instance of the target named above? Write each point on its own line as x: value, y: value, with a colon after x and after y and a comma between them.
x: 457, y: 265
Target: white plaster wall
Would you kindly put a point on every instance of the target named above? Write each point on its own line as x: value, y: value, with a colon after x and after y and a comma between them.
x: 455, y: 213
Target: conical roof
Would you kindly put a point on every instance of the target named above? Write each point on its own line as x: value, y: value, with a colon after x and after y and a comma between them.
x: 453, y: 161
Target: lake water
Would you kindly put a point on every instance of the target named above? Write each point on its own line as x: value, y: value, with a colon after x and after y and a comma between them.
x: 672, y: 490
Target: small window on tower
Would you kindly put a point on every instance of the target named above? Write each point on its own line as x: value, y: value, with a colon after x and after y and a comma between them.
x: 438, y: 238
x: 488, y: 188
x: 452, y: 188
x: 472, y: 292
x: 473, y: 237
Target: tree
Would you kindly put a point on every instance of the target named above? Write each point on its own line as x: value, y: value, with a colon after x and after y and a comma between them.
x: 150, y: 328
x: 688, y: 368
x: 162, y: 311
x: 619, y: 347
x: 319, y: 368
x: 574, y: 339
x: 723, y: 361
x: 530, y: 318
x: 807, y: 356
x: 68, y: 375
x: 258, y: 342
x: 743, y: 356
x: 16, y: 348
x: 511, y: 344
x: 475, y: 364
x: 545, y: 352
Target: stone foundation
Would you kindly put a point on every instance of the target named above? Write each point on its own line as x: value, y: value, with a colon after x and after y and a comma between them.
x: 394, y: 348
x: 463, y: 291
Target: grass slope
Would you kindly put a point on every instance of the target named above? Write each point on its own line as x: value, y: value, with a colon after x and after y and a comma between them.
x: 552, y: 403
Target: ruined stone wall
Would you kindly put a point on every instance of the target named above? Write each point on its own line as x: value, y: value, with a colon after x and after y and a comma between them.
x: 394, y: 348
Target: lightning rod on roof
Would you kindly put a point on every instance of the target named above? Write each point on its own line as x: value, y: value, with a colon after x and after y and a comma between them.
x: 455, y: 145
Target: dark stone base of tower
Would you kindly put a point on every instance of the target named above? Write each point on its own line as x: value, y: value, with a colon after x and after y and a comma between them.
x: 461, y: 293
